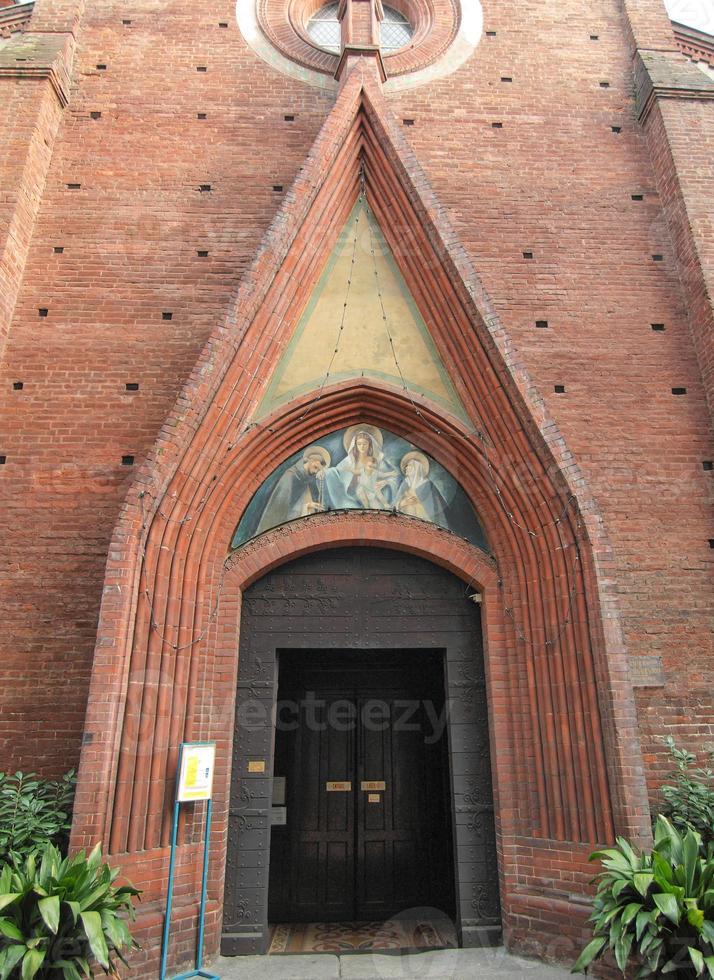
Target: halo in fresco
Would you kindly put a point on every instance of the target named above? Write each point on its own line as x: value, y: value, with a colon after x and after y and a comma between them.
x: 361, y: 467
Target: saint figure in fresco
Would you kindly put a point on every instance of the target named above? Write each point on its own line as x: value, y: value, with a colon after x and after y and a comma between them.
x: 298, y: 492
x: 365, y: 477
x: 417, y: 496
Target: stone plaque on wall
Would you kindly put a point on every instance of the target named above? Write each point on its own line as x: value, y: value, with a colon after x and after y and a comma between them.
x: 647, y: 671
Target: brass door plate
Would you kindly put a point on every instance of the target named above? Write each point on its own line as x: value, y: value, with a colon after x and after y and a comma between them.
x: 370, y: 785
x: 256, y: 765
x: 335, y: 786
x: 373, y: 797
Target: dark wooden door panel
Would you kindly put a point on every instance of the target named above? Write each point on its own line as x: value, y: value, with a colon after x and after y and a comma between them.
x: 393, y: 830
x: 321, y: 823
x: 367, y: 851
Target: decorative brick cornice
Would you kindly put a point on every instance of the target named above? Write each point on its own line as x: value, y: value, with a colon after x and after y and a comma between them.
x: 667, y: 75
x: 14, y: 19
x: 695, y: 45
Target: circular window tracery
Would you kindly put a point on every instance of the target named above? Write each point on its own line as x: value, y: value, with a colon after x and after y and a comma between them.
x: 324, y: 29
x: 443, y: 35
x: 395, y: 30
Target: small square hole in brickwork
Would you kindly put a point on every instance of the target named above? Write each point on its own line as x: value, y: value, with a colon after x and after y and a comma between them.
x: 490, y: 33
x: 506, y: 78
x: 43, y: 311
x: 708, y: 464
x: 201, y: 68
x: 527, y: 255
x: 17, y: 385
x: 3, y: 460
x: 711, y: 542
x: 497, y: 125
x: 132, y: 386
x: 126, y: 22
x: 73, y: 187
x: 542, y: 324
x: 200, y: 115
x: 407, y: 122
x: 594, y: 37
x: 58, y: 249
x: 616, y: 129
x: 679, y: 391
x: 95, y: 115
x: 202, y: 253
x: 278, y: 188
x: 604, y: 85
x: 101, y: 67
x: 657, y: 327
x: 289, y: 117
x: 658, y: 258
x: 223, y: 23
x: 638, y: 197
x: 127, y: 461
x: 559, y: 389
x: 204, y: 187
x: 167, y: 316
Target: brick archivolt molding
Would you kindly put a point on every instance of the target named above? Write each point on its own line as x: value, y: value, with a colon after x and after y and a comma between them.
x: 569, y: 764
x: 446, y: 33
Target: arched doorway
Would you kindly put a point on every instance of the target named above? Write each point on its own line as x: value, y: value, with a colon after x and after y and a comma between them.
x: 361, y: 687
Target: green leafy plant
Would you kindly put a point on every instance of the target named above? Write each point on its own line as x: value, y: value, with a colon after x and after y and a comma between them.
x: 57, y: 913
x: 689, y: 802
x: 655, y: 909
x: 33, y: 811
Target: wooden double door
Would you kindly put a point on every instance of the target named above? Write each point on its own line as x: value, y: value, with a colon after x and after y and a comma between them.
x: 361, y: 765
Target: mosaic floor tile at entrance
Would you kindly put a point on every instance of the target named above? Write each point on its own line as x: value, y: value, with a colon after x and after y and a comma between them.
x: 441, y: 964
x: 357, y: 937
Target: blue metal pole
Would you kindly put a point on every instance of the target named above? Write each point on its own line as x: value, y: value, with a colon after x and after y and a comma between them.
x: 169, y: 899
x: 204, y: 887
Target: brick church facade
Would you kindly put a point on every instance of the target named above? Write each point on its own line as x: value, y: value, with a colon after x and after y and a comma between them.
x: 459, y: 292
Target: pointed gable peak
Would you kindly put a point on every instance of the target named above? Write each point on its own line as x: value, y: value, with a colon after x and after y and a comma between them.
x: 361, y: 321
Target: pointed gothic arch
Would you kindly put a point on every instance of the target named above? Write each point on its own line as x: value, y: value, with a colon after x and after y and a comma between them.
x: 167, y: 638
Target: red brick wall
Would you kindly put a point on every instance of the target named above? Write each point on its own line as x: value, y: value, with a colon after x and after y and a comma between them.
x: 554, y: 179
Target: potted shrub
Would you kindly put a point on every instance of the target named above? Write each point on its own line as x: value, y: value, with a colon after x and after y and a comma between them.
x: 655, y: 910
x: 61, y: 914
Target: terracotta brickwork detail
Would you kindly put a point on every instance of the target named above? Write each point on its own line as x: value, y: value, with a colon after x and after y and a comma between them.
x: 696, y: 45
x: 165, y: 662
x: 104, y: 225
x: 435, y: 25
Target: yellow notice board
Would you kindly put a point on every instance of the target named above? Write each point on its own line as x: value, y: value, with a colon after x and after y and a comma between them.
x: 195, y: 780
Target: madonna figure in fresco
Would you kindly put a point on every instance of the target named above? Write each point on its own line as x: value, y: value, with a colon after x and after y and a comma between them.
x: 417, y: 496
x: 365, y: 477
